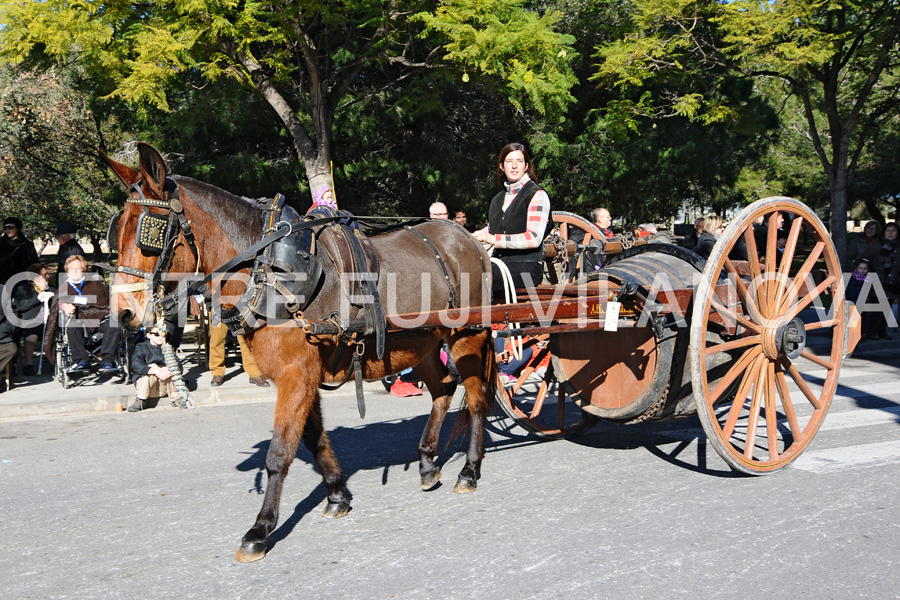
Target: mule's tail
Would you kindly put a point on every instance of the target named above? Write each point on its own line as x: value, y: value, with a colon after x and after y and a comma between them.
x: 489, y: 379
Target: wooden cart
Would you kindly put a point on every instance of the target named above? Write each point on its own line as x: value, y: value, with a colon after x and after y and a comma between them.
x: 720, y: 337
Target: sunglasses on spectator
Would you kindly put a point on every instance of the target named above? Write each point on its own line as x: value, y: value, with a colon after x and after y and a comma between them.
x: 10, y: 226
x: 153, y: 333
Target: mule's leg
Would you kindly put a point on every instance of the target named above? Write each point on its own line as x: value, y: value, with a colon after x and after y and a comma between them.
x: 441, y: 384
x: 291, y: 412
x: 316, y: 441
x: 474, y: 357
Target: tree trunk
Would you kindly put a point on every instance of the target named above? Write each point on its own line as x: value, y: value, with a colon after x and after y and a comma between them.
x: 839, y: 211
x: 313, y: 152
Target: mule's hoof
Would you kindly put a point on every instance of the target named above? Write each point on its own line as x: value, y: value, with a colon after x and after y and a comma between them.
x: 464, y: 486
x: 251, y: 551
x: 336, y: 510
x: 429, y: 480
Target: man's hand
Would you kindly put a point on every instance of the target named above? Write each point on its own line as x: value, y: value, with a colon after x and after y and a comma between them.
x: 67, y: 308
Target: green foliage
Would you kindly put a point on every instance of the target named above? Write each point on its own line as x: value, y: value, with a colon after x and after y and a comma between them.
x: 501, y: 38
x: 309, y: 60
x: 837, y: 58
x: 643, y: 106
x: 48, y: 164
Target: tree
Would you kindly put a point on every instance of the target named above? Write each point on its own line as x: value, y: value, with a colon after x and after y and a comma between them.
x: 838, y: 58
x: 48, y: 141
x: 310, y: 61
x: 641, y: 169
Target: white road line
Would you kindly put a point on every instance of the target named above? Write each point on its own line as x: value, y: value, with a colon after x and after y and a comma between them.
x: 834, y: 421
x: 881, y: 390
x: 864, y: 417
x: 849, y: 457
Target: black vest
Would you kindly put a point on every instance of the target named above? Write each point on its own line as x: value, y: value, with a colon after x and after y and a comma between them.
x: 514, y: 220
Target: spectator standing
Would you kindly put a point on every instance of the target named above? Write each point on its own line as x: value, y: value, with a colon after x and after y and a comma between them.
x: 713, y: 226
x: 517, y: 220
x: 437, y: 210
x: 884, y: 260
x: 855, y: 284
x: 68, y: 245
x: 691, y: 239
x: 857, y: 246
x: 17, y: 252
x: 149, y: 373
x: 217, y: 335
x: 30, y: 296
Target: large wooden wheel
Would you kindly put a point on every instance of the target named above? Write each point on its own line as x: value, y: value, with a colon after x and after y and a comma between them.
x: 759, y: 411
x: 574, y: 230
x: 538, y: 403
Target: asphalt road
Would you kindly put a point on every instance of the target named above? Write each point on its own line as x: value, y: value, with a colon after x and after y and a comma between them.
x: 154, y: 505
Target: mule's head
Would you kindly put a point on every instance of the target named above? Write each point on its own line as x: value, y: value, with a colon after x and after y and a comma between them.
x: 150, y: 192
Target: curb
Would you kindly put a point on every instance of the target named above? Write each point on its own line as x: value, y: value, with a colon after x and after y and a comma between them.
x: 48, y: 398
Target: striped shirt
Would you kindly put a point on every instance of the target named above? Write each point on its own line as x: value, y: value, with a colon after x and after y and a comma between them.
x: 538, y: 215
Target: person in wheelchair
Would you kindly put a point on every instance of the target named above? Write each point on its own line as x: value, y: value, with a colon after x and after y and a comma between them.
x: 84, y: 309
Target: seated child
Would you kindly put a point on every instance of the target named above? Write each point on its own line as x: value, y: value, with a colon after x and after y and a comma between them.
x: 149, y: 373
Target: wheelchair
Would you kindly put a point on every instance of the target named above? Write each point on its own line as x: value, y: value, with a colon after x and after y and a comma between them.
x: 93, y: 344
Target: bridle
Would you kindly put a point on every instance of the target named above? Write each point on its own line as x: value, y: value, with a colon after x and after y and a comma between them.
x: 156, y: 234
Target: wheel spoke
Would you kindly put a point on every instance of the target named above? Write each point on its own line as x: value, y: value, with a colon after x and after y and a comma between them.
x: 821, y: 324
x: 733, y: 316
x: 771, y: 413
x: 771, y: 250
x: 752, y: 308
x: 788, y: 257
x: 735, y: 411
x: 804, y: 387
x: 808, y: 355
x: 539, y: 400
x: 748, y: 340
x: 752, y: 253
x: 753, y: 422
x: 802, y: 274
x: 755, y: 267
x: 795, y: 310
x: 784, y: 392
x: 736, y: 369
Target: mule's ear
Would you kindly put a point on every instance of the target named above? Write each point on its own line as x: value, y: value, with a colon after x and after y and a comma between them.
x: 153, y: 167
x: 126, y: 175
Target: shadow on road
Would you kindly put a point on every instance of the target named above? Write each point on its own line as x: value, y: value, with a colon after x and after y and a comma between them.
x: 384, y: 446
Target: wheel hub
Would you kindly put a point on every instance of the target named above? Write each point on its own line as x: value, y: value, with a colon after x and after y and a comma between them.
x: 783, y: 337
x: 791, y: 338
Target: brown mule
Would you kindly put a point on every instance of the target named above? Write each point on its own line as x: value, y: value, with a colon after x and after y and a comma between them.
x: 409, y: 278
